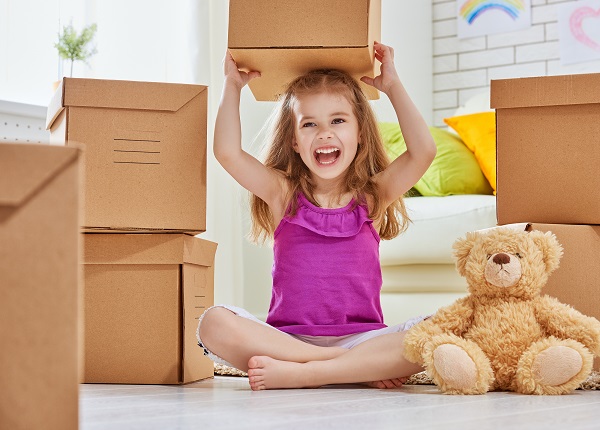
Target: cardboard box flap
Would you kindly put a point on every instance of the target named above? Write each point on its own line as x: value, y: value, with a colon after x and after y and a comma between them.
x: 24, y: 169
x: 113, y: 94
x: 297, y: 24
x: 545, y: 91
x: 198, y: 251
x: 55, y: 107
x: 141, y: 248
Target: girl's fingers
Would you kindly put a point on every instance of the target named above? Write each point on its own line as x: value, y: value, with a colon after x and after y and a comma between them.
x: 253, y: 74
x: 367, y: 80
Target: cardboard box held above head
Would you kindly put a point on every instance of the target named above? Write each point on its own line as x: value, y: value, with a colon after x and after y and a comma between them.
x: 144, y: 152
x: 39, y: 287
x: 284, y: 39
x: 548, y: 149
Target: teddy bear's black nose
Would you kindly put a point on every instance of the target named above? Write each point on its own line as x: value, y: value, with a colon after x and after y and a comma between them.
x: 501, y: 258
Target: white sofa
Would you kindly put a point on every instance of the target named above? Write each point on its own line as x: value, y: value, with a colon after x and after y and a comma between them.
x: 418, y: 268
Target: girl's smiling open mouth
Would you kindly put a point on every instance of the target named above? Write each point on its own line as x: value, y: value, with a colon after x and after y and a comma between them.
x: 327, y: 155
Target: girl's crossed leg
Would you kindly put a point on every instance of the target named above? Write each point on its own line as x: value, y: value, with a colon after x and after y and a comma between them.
x: 378, y: 359
x: 270, y: 356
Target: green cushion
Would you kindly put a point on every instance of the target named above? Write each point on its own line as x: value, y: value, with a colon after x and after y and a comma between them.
x: 454, y: 170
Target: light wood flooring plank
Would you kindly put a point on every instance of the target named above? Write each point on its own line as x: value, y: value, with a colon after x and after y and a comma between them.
x: 228, y: 403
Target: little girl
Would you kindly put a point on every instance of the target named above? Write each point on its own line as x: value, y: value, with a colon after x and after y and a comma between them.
x: 326, y: 194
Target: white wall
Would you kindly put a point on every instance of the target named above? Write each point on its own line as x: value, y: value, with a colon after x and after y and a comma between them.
x: 465, y: 67
x: 144, y: 40
x: 28, y: 60
x: 407, y: 27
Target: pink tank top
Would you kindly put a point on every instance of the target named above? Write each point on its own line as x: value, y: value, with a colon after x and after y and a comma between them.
x: 326, y: 272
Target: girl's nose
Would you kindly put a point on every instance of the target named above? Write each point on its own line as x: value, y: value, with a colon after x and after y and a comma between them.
x: 324, y: 133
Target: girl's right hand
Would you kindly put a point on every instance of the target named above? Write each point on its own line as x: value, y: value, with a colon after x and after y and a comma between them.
x: 234, y: 75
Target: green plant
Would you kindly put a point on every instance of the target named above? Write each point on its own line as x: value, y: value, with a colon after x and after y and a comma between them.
x: 74, y: 47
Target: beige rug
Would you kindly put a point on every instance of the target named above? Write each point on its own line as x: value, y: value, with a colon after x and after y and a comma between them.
x: 591, y: 383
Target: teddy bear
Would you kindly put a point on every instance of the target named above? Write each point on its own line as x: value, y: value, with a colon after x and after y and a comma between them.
x: 505, y: 335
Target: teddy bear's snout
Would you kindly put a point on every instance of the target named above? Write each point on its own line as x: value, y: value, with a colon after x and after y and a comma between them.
x: 503, y: 270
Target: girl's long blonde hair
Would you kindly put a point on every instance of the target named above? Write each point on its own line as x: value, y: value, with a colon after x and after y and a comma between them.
x: 370, y: 159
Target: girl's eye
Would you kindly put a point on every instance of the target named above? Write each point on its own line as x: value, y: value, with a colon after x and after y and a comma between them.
x: 308, y: 124
x: 337, y: 121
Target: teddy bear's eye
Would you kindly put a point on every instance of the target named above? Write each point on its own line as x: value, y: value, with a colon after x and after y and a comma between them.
x: 488, y: 256
x: 518, y: 255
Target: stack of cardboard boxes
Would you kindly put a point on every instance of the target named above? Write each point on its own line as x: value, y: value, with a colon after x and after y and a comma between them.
x: 147, y: 279
x: 548, y: 153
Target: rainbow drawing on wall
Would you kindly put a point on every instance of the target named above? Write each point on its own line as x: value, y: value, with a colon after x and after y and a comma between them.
x: 473, y: 9
x: 483, y: 17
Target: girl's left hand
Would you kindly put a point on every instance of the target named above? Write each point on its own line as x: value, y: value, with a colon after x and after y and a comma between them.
x: 388, y: 75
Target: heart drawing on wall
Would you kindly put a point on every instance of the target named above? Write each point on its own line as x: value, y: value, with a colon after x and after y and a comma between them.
x: 586, y: 36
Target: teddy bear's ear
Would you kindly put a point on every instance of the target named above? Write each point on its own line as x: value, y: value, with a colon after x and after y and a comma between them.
x: 462, y: 249
x: 548, y: 244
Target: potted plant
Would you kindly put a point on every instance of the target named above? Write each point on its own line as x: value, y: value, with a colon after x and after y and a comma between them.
x: 75, y: 47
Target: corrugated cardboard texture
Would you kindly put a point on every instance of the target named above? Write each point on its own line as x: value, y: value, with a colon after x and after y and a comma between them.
x: 298, y: 24
x: 575, y: 282
x: 144, y: 294
x: 548, y: 149
x: 145, y: 145
x: 284, y: 39
x: 39, y: 287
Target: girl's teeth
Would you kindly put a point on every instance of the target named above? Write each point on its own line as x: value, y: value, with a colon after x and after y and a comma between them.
x: 327, y: 156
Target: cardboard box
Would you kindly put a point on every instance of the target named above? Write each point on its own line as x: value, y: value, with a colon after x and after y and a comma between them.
x: 548, y: 149
x: 39, y: 287
x: 284, y: 39
x: 143, y: 296
x: 575, y: 282
x: 145, y: 151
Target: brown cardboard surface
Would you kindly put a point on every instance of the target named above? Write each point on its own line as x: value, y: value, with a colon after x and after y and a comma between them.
x: 548, y: 149
x: 145, y: 146
x: 143, y: 296
x: 287, y: 38
x: 575, y: 282
x: 39, y: 287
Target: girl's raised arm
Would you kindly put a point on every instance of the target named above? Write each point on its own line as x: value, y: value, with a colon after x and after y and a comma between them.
x: 409, y: 167
x: 243, y: 167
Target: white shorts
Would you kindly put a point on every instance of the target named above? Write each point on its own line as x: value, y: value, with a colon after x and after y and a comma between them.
x: 348, y: 341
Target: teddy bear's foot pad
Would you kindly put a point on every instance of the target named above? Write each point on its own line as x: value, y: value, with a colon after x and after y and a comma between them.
x: 455, y: 366
x: 557, y: 365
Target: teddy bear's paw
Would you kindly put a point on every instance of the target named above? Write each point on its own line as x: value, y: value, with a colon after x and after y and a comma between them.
x: 557, y: 365
x: 458, y: 366
x: 455, y: 367
x: 553, y: 366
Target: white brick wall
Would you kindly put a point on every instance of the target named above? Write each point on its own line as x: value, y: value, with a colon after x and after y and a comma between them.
x: 463, y: 68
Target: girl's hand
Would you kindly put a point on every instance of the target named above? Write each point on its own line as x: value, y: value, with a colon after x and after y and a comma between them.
x: 234, y: 75
x: 388, y: 75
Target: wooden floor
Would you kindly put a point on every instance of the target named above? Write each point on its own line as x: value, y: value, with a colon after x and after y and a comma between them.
x: 228, y: 403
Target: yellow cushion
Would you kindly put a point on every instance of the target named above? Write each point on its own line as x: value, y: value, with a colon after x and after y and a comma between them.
x: 478, y: 132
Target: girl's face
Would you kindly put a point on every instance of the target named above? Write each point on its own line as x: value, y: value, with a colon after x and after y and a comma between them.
x: 326, y: 133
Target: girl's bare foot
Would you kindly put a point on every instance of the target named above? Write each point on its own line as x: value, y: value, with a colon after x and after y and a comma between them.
x: 266, y: 373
